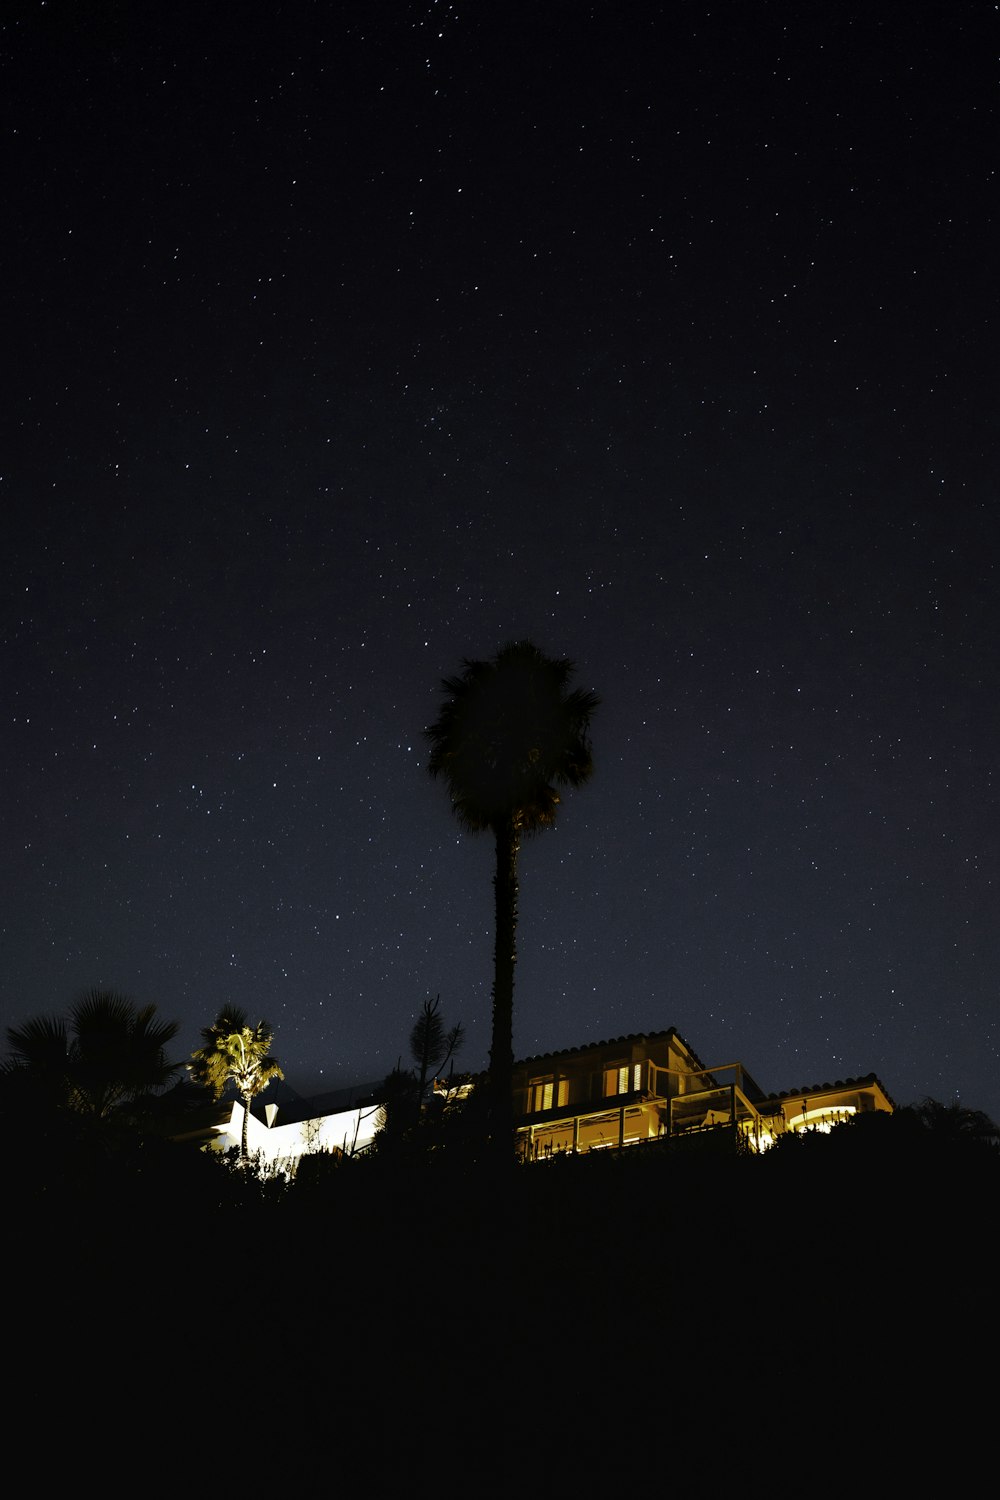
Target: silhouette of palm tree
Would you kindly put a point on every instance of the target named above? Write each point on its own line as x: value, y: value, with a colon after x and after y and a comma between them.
x: 509, y: 732
x: 109, y: 1056
x: 953, y: 1124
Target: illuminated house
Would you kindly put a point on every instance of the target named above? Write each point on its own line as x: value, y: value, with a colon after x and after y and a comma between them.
x: 634, y: 1089
x: 653, y: 1087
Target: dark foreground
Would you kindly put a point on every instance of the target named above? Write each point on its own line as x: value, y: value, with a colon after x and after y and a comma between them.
x: 628, y: 1324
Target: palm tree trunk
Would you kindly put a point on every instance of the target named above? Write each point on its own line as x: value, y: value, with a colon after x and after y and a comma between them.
x: 508, y: 843
x: 246, y: 1122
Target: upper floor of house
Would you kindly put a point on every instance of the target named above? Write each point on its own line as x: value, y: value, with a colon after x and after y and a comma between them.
x: 651, y: 1085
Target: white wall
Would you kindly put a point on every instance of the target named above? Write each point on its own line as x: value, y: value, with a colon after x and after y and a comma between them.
x: 284, y: 1145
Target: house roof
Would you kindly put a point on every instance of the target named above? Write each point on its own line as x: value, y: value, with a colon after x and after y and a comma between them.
x: 831, y: 1088
x: 613, y: 1041
x: 292, y: 1110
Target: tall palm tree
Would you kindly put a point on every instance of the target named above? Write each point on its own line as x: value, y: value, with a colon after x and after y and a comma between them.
x: 238, y: 1053
x: 109, y: 1056
x: 510, y: 731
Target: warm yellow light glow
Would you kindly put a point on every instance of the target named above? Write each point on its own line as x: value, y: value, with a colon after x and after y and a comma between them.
x: 822, y: 1119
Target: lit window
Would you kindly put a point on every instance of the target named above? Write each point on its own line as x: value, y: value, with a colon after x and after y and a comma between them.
x: 543, y: 1093
x: 616, y: 1080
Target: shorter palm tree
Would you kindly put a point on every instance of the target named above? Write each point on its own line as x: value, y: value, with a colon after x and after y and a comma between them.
x: 107, y: 1058
x: 236, y: 1052
x: 954, y: 1125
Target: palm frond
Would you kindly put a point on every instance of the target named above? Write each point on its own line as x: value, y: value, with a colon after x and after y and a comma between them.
x: 41, y: 1042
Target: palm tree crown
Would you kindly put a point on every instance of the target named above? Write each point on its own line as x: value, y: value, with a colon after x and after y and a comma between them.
x: 509, y: 729
x: 238, y: 1053
x: 110, y: 1055
x: 510, y: 732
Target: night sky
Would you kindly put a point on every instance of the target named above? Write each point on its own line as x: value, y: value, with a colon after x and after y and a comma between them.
x: 342, y: 342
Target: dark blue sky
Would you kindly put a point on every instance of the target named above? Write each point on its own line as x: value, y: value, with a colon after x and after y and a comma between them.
x: 344, y: 342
